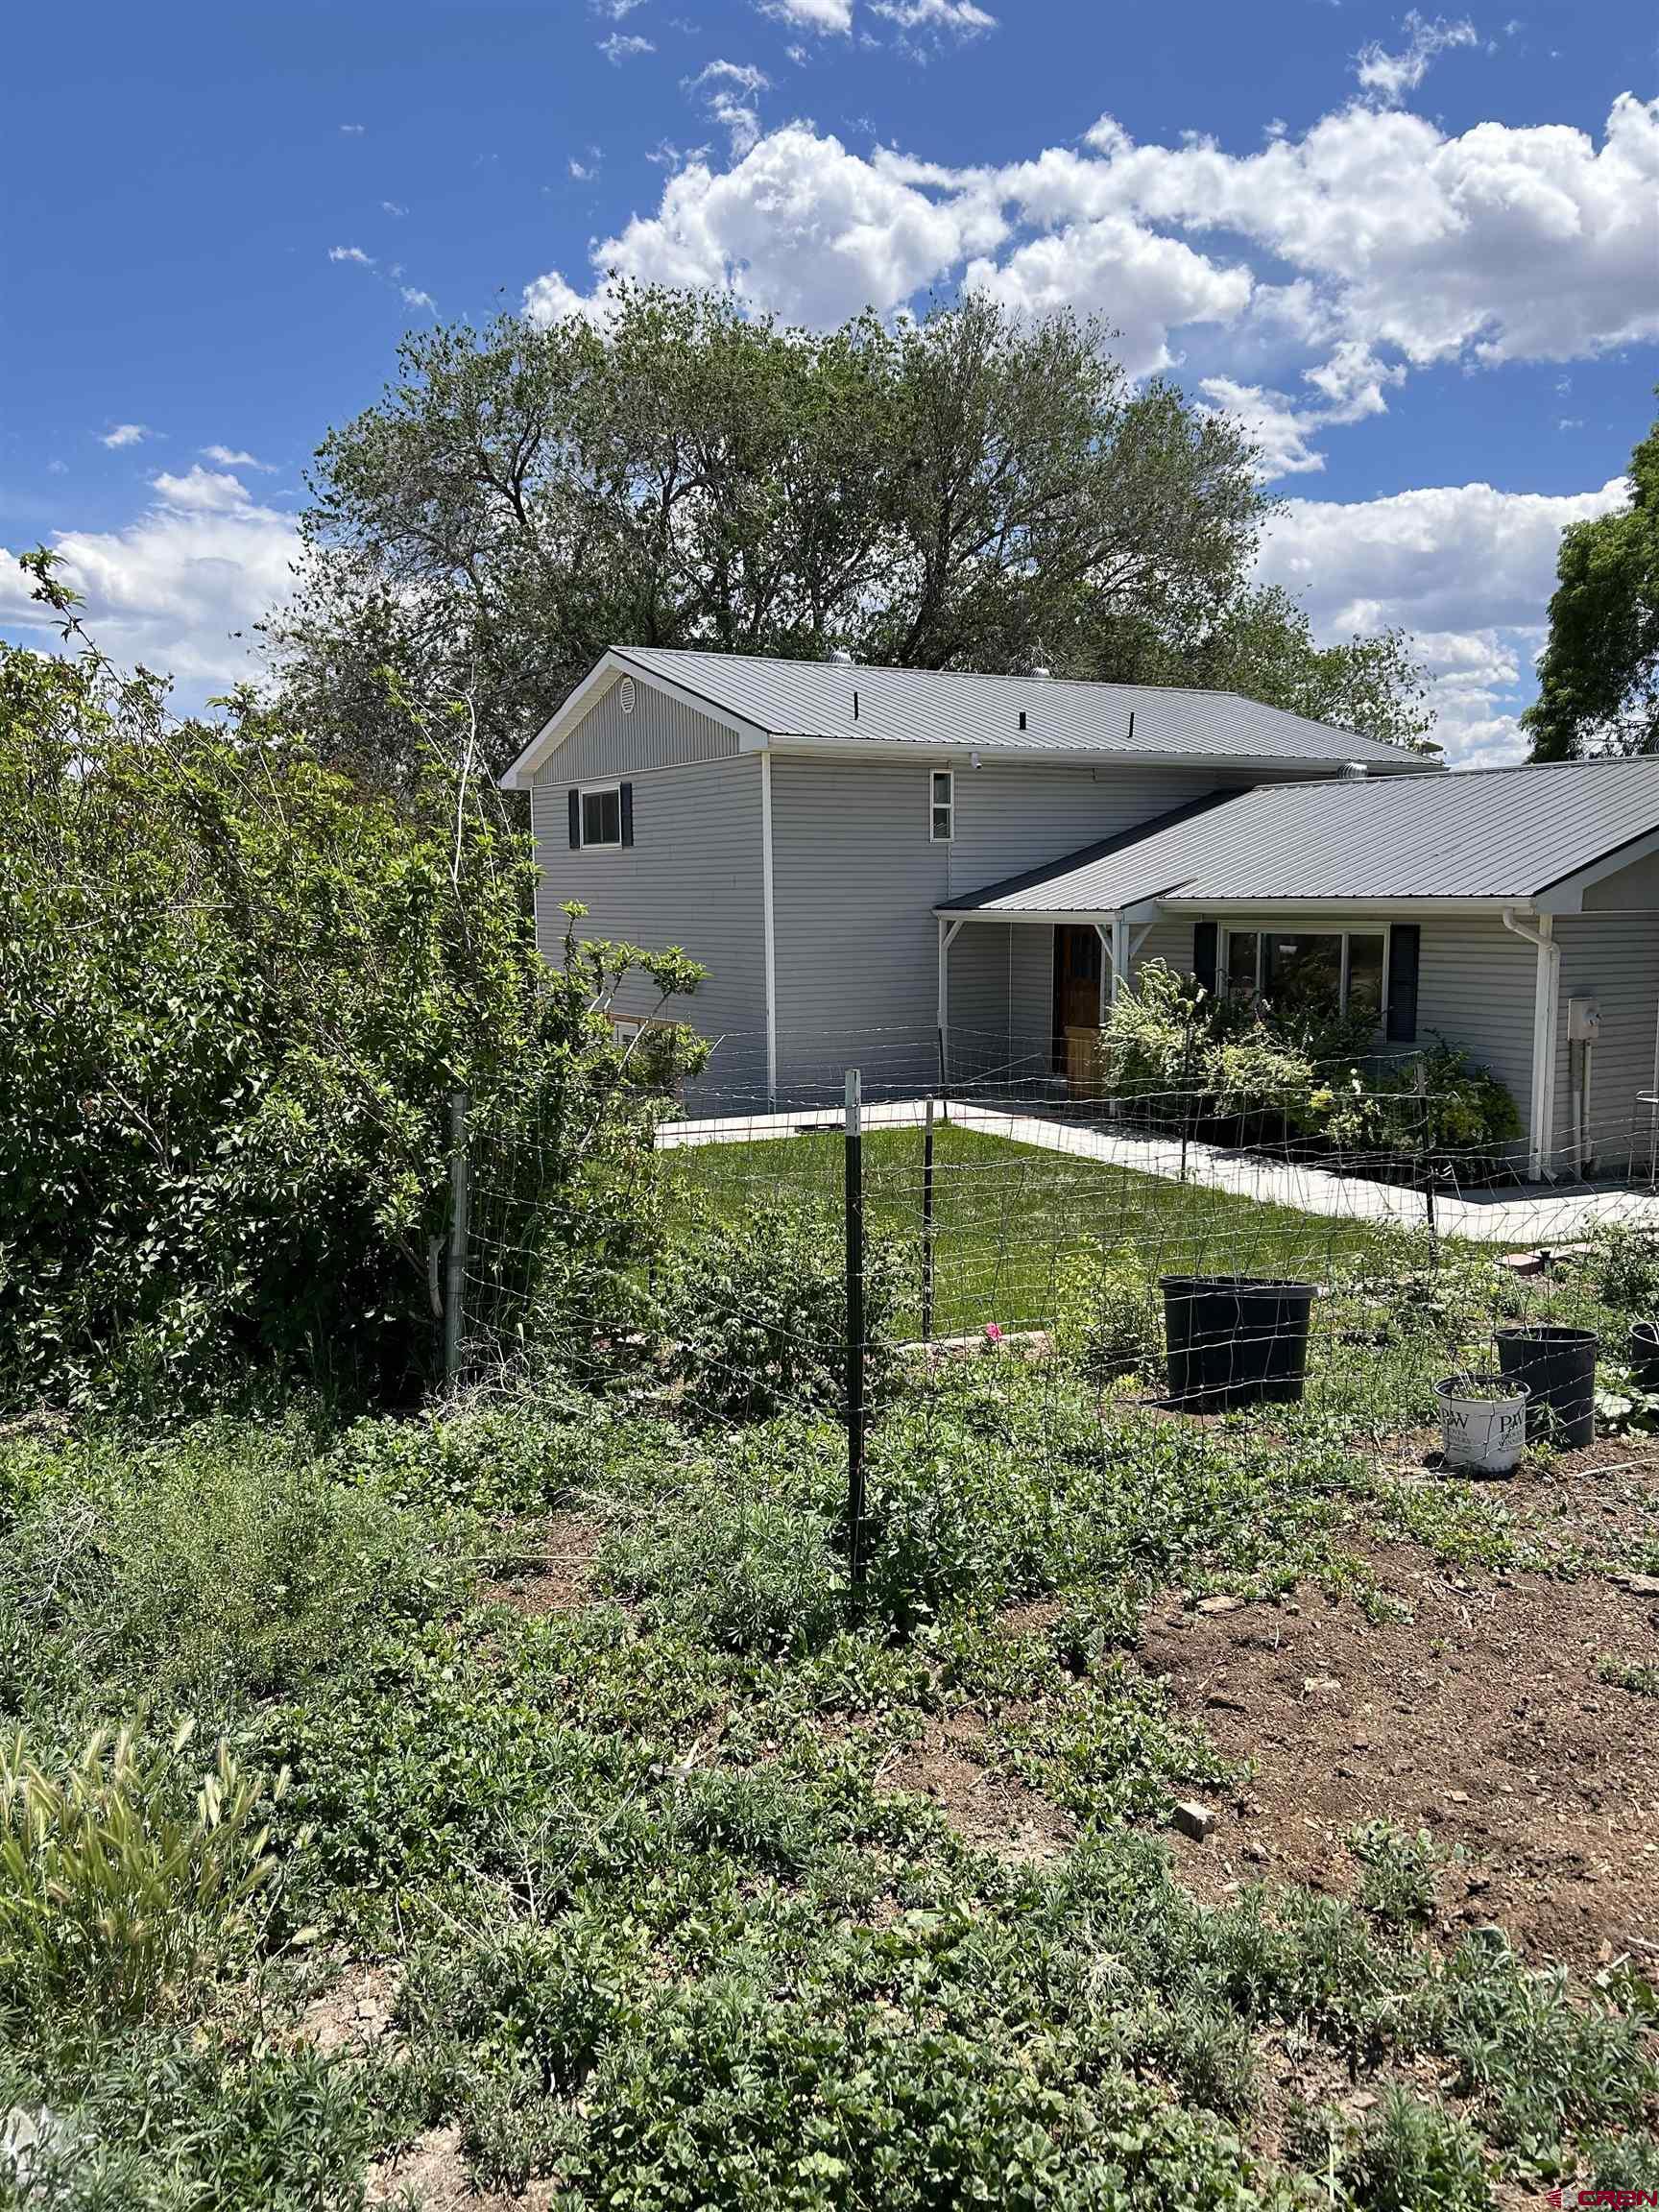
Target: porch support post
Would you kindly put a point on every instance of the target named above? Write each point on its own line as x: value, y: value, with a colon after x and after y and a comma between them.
x: 1120, y: 954
x: 947, y: 938
x: 1541, y: 1119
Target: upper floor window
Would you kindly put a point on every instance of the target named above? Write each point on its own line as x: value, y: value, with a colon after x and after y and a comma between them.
x: 942, y: 820
x: 601, y: 816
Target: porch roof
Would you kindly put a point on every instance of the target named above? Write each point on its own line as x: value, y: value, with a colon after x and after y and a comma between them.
x: 1496, y: 834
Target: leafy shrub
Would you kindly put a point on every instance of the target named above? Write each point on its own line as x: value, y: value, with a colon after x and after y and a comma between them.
x: 239, y: 993
x: 1204, y: 1055
x: 746, y: 1570
x: 1414, y: 2157
x: 1441, y: 1102
x: 1397, y: 1878
x: 1109, y: 1315
x: 172, y: 2119
x: 754, y: 1315
x: 1622, y: 1263
x: 110, y: 1901
x: 223, y: 1562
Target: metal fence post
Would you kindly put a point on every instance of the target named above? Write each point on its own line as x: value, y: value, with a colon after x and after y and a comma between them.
x: 455, y: 1274
x: 927, y: 1226
x: 855, y: 1188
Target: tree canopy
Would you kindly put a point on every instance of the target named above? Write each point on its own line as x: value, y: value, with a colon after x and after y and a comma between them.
x: 969, y: 491
x: 1598, y: 675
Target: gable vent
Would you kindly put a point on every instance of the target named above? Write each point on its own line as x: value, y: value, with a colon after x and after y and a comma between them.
x: 625, y: 694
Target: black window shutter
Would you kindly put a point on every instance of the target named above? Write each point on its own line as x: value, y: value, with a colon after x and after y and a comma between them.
x: 627, y: 813
x: 575, y: 821
x: 1405, y: 949
x: 1204, y: 951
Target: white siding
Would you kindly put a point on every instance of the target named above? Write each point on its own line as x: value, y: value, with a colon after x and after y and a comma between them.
x: 691, y: 877
x: 1630, y: 890
x: 1169, y: 939
x: 979, y: 974
x: 661, y: 733
x: 857, y: 878
x: 1614, y: 958
x: 1011, y: 816
x: 1478, y: 988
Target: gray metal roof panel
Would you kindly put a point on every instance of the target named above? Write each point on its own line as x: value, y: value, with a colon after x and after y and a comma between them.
x: 1491, y: 833
x: 810, y: 699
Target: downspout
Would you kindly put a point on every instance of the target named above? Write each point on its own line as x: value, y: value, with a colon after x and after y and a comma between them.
x: 771, y: 933
x: 1541, y: 1139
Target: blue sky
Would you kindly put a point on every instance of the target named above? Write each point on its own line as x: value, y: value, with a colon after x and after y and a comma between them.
x: 1420, y: 252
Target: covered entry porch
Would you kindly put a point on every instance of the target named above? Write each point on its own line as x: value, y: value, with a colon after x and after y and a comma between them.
x: 1021, y: 1002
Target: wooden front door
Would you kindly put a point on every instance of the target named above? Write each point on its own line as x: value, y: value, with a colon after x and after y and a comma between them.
x: 1078, y: 960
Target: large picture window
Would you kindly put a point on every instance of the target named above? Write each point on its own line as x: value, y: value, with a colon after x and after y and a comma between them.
x: 1308, y: 975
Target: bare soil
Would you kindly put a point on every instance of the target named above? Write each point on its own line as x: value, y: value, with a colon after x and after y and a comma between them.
x: 431, y: 2172
x: 1481, y: 1719
x: 993, y: 1811
x: 550, y: 1567
x: 353, y: 2013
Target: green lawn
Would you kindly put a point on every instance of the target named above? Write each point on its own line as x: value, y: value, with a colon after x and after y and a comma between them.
x: 1010, y: 1218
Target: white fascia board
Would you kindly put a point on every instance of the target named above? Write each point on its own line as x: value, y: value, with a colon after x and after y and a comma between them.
x: 1081, y: 915
x: 1567, y: 896
x: 1402, y: 909
x: 587, y: 694
x: 921, y: 748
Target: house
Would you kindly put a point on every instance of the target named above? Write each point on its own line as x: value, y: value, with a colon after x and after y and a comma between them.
x: 883, y: 866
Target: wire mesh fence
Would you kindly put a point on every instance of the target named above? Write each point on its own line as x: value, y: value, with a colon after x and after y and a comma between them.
x: 1087, y: 1269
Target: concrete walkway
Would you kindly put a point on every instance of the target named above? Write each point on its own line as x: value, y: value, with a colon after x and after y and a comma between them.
x: 1535, y: 1215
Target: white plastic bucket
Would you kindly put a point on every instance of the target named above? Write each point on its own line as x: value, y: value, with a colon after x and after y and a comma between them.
x: 1482, y: 1423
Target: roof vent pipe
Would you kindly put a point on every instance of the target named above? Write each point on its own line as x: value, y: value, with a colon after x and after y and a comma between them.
x: 1354, y: 772
x: 842, y: 655
x: 1041, y: 671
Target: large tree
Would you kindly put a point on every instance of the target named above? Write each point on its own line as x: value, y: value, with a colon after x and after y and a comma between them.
x: 1598, y: 675
x: 969, y: 491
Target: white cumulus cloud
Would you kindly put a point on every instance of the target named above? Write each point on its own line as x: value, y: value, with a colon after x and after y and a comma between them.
x: 623, y: 45
x: 1468, y: 568
x: 120, y: 433
x: 173, y: 588
x: 352, y: 254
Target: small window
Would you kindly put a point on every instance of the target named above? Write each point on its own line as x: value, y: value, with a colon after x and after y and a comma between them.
x: 942, y: 819
x: 1364, y: 993
x: 602, y: 816
x: 1243, y: 960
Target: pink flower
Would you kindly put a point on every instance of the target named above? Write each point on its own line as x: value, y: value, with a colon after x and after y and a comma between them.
x: 992, y: 1334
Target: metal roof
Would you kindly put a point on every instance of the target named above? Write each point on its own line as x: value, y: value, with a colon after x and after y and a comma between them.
x: 1493, y: 833
x: 931, y: 707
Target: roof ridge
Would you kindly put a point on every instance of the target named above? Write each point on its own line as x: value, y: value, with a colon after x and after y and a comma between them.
x: 996, y: 676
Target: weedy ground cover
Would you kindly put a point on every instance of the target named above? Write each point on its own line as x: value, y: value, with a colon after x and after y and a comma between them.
x: 663, y: 1864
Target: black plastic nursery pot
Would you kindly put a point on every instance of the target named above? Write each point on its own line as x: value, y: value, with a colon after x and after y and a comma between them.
x: 1559, y: 1367
x: 1235, y: 1340
x: 1644, y: 1355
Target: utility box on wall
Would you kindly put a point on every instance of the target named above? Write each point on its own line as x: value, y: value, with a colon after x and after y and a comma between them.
x: 1583, y: 1020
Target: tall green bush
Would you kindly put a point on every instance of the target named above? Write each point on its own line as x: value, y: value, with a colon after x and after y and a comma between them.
x: 237, y: 997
